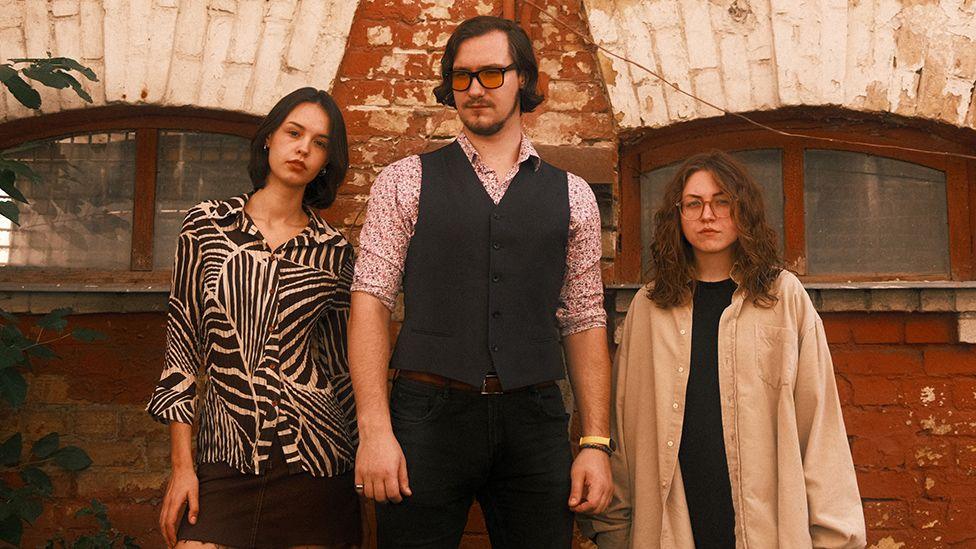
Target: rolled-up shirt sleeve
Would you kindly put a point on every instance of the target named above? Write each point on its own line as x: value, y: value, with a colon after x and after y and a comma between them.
x: 581, y: 296
x: 390, y: 218
x: 174, y: 398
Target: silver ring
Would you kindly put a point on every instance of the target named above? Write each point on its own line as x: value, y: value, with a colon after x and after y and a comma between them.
x: 359, y: 487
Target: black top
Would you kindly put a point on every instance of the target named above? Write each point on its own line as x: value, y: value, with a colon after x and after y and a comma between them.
x: 481, y: 281
x: 702, y: 452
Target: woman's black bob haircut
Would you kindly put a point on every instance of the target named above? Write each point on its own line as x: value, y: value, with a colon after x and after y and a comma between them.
x: 519, y: 47
x: 321, y: 191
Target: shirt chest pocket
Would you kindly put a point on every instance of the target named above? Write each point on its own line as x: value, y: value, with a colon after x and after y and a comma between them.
x: 776, y: 355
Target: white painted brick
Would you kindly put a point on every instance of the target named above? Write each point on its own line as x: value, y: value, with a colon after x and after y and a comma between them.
x: 11, y: 14
x: 161, y: 41
x: 12, y: 47
x: 708, y: 86
x: 765, y: 90
x: 967, y: 328
x: 832, y: 42
x: 64, y: 8
x: 191, y: 27
x: 281, y: 10
x: 234, y: 87
x: 214, y: 55
x: 137, y: 50
x: 182, y: 87
x: 650, y: 93
x: 699, y: 37
x: 673, y: 61
x: 265, y: 92
x: 966, y: 300
x: 843, y: 300
x: 92, y: 43
x: 247, y: 31
x: 37, y: 32
x: 115, y: 30
x: 67, y: 37
x: 735, y: 71
x: 303, y: 36
x: 895, y: 300
x: 226, y: 6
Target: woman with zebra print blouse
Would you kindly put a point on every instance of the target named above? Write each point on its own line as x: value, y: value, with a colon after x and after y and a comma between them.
x: 258, y: 307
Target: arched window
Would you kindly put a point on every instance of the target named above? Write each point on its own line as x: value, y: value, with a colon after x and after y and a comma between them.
x: 114, y: 184
x: 844, y: 212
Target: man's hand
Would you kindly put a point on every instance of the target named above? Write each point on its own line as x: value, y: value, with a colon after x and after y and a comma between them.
x: 183, y: 488
x: 382, y: 469
x: 592, y: 483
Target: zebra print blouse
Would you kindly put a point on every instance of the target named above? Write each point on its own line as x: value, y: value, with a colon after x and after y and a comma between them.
x: 267, y: 329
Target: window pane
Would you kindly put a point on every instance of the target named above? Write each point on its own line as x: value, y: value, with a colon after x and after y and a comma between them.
x: 765, y: 165
x: 80, y: 211
x: 871, y: 215
x: 193, y: 167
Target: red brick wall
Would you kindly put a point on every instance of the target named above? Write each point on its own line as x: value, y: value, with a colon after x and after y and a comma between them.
x: 909, y: 394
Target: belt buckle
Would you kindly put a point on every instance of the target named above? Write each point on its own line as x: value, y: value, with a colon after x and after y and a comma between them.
x: 484, y: 385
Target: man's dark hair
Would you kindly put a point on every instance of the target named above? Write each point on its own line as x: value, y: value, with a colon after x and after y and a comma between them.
x: 519, y: 47
x: 321, y: 191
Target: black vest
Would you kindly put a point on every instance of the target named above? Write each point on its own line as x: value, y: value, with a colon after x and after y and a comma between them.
x: 481, y: 282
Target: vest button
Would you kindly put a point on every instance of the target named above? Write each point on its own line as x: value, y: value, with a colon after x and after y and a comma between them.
x: 496, y: 245
x: 494, y: 348
x: 496, y: 216
x: 495, y: 278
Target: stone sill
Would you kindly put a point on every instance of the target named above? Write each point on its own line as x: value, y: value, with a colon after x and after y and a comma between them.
x: 906, y: 297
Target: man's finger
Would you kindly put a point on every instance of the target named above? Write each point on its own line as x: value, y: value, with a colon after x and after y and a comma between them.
x: 404, y: 479
x: 393, y: 489
x: 379, y: 491
x: 576, y: 489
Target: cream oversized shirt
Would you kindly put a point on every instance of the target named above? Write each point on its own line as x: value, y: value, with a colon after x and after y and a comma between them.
x: 792, y: 476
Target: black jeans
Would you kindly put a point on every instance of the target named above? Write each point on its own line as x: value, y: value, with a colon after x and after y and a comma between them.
x: 510, y: 452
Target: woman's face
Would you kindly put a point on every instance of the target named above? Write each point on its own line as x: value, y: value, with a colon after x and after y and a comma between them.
x: 298, y: 149
x: 714, y: 232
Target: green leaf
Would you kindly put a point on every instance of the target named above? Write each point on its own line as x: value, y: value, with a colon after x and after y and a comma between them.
x: 38, y: 479
x: 55, y: 320
x: 69, y: 64
x: 46, y: 446
x: 13, y: 387
x: 76, y: 85
x: 10, y: 450
x: 7, y: 178
x: 45, y: 74
x: 27, y: 504
x: 10, y: 356
x: 72, y: 458
x: 8, y: 317
x: 11, y: 530
x: 9, y: 210
x: 87, y: 335
x: 23, y: 92
x: 42, y: 351
x: 19, y: 168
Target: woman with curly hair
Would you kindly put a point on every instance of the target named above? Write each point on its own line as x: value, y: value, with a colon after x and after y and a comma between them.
x: 725, y: 407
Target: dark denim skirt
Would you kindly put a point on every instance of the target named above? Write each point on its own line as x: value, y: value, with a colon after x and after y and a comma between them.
x: 274, y: 510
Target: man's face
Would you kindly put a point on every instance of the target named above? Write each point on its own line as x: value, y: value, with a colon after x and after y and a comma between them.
x: 485, y: 111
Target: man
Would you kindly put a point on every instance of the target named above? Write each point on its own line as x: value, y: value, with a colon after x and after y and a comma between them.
x: 498, y: 252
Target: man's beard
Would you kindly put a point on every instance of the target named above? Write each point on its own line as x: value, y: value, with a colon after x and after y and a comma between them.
x: 491, y: 129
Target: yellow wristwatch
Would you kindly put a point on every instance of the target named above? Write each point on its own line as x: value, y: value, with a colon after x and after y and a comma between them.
x: 605, y: 444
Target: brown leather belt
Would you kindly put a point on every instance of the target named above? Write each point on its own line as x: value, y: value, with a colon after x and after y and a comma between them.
x: 489, y: 386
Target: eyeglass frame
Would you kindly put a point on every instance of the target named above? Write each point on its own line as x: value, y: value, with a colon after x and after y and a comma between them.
x: 709, y: 204
x: 472, y: 75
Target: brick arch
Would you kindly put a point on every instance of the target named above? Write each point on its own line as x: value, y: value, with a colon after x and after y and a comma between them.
x: 916, y: 59
x: 218, y: 54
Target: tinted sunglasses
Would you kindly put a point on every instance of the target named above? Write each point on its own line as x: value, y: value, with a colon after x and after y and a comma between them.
x: 490, y: 78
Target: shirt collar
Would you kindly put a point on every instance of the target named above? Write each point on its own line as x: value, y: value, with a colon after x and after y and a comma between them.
x: 526, y: 151
x: 229, y: 215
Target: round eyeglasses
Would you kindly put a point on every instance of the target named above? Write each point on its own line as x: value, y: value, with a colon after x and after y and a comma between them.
x: 490, y: 78
x: 693, y: 208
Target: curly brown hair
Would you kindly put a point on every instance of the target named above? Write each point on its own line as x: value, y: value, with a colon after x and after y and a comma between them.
x: 757, y: 262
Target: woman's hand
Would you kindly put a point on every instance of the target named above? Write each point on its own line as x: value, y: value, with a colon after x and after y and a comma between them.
x: 182, y: 487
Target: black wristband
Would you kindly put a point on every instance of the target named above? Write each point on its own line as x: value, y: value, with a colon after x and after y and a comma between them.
x: 601, y: 447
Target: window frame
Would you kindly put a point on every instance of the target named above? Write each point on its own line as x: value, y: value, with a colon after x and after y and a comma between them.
x: 146, y: 122
x: 660, y: 147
